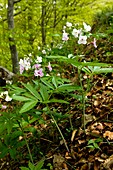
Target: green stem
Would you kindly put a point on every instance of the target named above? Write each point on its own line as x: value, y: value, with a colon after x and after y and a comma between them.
x: 84, y: 108
x: 30, y: 155
x: 57, y: 127
x: 83, y: 96
x: 60, y: 133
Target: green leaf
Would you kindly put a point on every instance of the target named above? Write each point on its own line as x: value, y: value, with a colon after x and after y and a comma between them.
x: 68, y: 87
x: 3, y: 151
x: 31, y: 166
x: 28, y: 106
x: 103, y: 70
x: 29, y: 96
x: 13, y: 153
x: 32, y: 90
x: 57, y: 57
x: 87, y: 70
x: 76, y: 64
x: 57, y: 101
x: 54, y: 81
x: 47, y: 84
x: 9, y: 126
x: 39, y: 165
x: 24, y: 168
x: 20, y: 98
x: 18, y: 89
x: 44, y: 92
x: 36, y: 82
x: 97, y: 70
x: 91, y: 146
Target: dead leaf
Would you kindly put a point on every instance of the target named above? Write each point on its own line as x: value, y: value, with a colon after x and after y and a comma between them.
x: 108, y: 134
x: 73, y: 135
x: 58, y: 161
x: 108, y: 164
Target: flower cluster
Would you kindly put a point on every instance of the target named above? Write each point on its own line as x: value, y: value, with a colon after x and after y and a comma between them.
x: 36, y: 65
x: 25, y: 64
x: 81, y: 34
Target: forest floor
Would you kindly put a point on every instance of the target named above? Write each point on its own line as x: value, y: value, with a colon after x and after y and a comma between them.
x: 83, y: 149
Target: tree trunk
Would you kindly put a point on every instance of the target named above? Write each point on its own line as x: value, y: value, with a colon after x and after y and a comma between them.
x: 13, y: 49
x: 55, y: 16
x: 43, y: 22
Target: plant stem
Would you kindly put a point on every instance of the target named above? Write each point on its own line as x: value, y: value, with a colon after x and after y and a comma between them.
x: 24, y: 136
x: 60, y: 133
x: 84, y: 108
x: 83, y: 96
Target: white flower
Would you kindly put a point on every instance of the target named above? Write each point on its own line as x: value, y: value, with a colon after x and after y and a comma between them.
x: 5, y: 92
x: 47, y: 74
x: 59, y: 46
x: 94, y: 43
x: 38, y: 47
x: 86, y: 27
x: 82, y: 39
x: 21, y: 62
x: 9, y: 82
x: 64, y: 27
x: 27, y: 64
x: 65, y: 36
x: 39, y: 59
x: 43, y: 51
x: 7, y: 99
x: 30, y: 54
x: 69, y: 24
x: 49, y: 67
x: 70, y: 55
x: 76, y: 32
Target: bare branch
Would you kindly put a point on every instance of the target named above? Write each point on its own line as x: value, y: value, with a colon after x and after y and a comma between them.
x: 16, y: 1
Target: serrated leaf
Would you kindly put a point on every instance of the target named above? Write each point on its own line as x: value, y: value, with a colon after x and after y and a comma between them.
x: 44, y: 92
x: 57, y: 101
x: 54, y: 81
x: 36, y: 82
x: 29, y: 96
x: 90, y: 141
x: 20, y: 98
x: 9, y: 126
x: 24, y: 168
x: 13, y: 153
x: 39, y: 165
x: 57, y: 57
x: 18, y: 88
x: 76, y: 64
x: 31, y: 166
x: 96, y: 146
x: 28, y: 106
x: 32, y: 90
x: 103, y: 70
x: 86, y: 70
x: 47, y: 84
x: 68, y: 87
x: 3, y: 151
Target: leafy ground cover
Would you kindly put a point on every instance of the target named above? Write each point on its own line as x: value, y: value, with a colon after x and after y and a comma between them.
x: 64, y: 120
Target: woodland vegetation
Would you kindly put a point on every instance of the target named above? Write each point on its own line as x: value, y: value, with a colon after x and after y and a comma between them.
x: 56, y: 85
